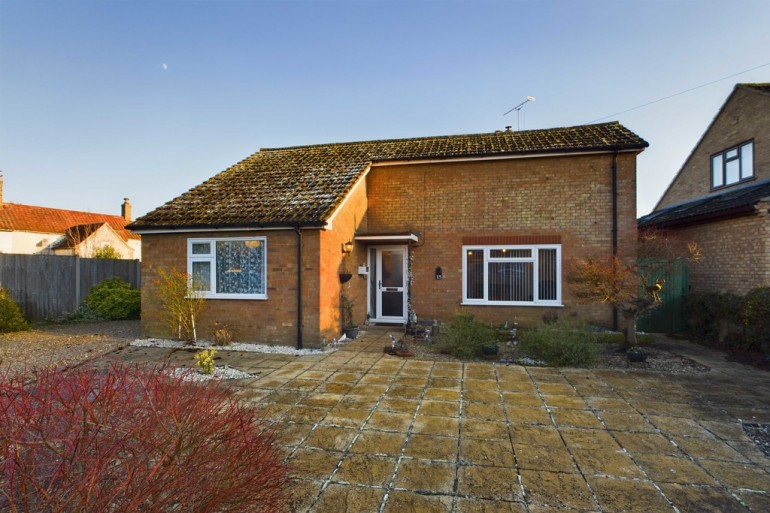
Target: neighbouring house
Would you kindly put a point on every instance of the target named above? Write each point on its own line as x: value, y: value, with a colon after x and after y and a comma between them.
x: 720, y: 198
x: 486, y: 222
x: 28, y: 230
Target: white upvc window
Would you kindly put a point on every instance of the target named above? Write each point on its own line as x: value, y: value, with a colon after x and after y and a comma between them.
x: 512, y: 275
x: 228, y: 268
x: 732, y: 165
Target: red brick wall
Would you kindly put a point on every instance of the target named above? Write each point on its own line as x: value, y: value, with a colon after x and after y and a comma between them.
x: 566, y: 196
x: 745, y: 116
x: 736, y: 253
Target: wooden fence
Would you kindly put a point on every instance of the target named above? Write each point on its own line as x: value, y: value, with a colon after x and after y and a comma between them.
x: 47, y: 286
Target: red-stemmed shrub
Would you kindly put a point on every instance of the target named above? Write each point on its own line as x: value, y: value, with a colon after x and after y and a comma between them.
x: 123, y: 439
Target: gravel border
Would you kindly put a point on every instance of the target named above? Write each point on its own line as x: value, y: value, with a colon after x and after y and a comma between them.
x: 235, y: 346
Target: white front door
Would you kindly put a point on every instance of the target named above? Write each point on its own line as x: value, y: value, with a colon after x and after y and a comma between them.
x: 388, y: 284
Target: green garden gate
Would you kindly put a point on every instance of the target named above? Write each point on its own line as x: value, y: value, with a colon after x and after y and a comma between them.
x: 669, y: 316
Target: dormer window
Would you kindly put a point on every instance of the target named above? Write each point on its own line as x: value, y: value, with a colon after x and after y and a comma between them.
x: 732, y: 165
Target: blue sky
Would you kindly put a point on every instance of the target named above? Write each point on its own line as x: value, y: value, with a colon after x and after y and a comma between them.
x: 101, y: 100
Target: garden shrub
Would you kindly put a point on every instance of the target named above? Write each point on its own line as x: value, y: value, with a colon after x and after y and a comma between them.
x: 181, y: 302
x: 115, y: 299
x: 204, y: 360
x: 221, y: 334
x: 756, y: 317
x: 11, y: 318
x: 465, y: 336
x: 126, y: 439
x: 107, y: 252
x: 561, y: 346
x: 83, y: 314
x: 713, y: 316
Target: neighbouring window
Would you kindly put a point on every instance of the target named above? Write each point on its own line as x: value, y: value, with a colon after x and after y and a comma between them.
x: 732, y: 165
x: 228, y: 268
x: 512, y: 275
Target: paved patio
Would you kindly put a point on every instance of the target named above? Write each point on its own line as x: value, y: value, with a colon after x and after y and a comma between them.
x: 368, y: 432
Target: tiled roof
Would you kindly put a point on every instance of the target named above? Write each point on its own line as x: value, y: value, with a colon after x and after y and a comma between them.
x: 765, y: 88
x: 727, y: 203
x: 27, y: 218
x: 304, y: 184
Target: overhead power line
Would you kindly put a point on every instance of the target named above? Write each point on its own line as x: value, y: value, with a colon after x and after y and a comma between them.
x: 679, y: 93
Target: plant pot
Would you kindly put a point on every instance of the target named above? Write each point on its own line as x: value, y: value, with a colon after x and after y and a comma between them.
x: 636, y: 356
x: 345, y: 277
x: 351, y: 333
x: 490, y: 350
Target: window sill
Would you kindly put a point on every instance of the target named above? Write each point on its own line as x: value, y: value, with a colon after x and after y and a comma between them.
x: 492, y: 303
x: 247, y: 297
x: 732, y: 184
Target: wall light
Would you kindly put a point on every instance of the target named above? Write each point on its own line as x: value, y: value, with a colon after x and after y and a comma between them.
x: 347, y: 247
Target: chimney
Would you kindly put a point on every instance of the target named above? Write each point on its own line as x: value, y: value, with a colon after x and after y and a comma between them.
x: 125, y: 209
x: 1, y: 188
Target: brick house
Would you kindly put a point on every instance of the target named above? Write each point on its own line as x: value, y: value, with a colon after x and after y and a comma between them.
x: 721, y: 196
x: 30, y: 229
x: 425, y: 226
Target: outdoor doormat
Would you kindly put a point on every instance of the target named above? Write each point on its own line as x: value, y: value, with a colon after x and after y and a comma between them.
x: 760, y: 434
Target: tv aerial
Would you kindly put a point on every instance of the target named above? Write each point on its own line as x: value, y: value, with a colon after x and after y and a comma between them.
x: 518, y: 111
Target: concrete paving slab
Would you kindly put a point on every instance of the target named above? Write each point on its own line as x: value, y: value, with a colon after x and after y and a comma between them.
x: 629, y: 496
x: 349, y: 499
x: 403, y: 501
x: 494, y: 483
x: 703, y: 499
x: 440, y: 448
x: 557, y: 490
x: 494, y: 453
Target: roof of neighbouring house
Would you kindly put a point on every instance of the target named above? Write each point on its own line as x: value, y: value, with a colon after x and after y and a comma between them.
x: 714, y: 206
x: 765, y: 88
x: 75, y: 235
x: 27, y: 218
x: 303, y: 185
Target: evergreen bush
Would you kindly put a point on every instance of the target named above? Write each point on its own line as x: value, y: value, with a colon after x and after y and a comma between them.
x: 465, y: 336
x: 561, y: 347
x: 756, y: 317
x: 115, y: 299
x: 11, y: 318
x: 713, y: 316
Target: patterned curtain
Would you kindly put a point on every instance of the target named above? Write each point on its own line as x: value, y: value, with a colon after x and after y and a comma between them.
x: 240, y: 267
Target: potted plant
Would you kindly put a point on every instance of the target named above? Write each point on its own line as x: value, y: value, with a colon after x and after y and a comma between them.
x: 636, y: 354
x: 346, y: 316
x: 344, y: 273
x: 490, y: 349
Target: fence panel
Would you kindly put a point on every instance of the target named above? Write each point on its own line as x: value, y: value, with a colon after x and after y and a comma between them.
x: 48, y: 286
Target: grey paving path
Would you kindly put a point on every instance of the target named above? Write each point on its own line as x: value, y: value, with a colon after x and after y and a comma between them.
x: 367, y: 432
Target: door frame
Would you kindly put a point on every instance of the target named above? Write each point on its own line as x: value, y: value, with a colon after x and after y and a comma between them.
x: 373, y: 290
